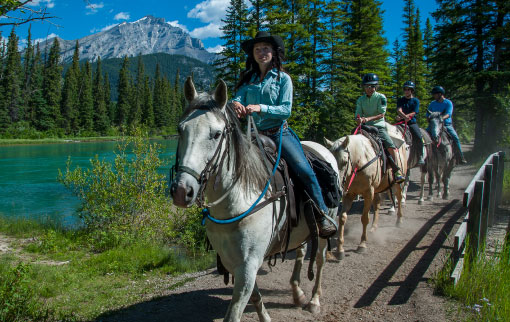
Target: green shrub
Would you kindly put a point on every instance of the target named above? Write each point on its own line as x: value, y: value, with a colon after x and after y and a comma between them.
x: 17, y: 300
x: 124, y: 201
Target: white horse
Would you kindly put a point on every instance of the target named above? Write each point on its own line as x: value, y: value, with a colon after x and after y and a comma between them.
x: 212, y: 146
x: 355, y: 152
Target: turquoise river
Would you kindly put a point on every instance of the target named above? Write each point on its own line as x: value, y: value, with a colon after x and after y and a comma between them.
x: 28, y: 177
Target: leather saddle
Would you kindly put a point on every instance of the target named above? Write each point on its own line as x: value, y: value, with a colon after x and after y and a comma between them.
x: 372, y: 134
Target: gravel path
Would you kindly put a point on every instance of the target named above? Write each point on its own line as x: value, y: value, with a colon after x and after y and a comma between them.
x: 387, y: 283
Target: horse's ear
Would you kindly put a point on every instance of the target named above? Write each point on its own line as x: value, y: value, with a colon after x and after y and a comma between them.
x: 220, y: 95
x: 329, y: 144
x: 345, y: 142
x: 189, y: 89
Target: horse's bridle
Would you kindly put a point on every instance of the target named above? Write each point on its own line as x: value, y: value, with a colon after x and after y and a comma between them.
x: 214, y: 165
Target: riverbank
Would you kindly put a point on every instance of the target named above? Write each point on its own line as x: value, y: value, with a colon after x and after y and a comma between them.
x: 10, y: 142
x: 69, y: 280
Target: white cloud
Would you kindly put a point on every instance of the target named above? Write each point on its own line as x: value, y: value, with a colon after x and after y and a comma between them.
x: 216, y: 49
x: 122, y: 16
x: 50, y: 36
x: 35, y: 3
x: 93, y: 8
x: 212, y: 30
x: 176, y: 23
x: 210, y: 11
x: 94, y: 30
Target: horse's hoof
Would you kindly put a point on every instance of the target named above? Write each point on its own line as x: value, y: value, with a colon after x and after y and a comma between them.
x: 330, y: 256
x: 341, y: 255
x: 361, y: 249
x: 430, y: 198
x: 399, y: 223
x: 445, y: 197
x: 373, y: 229
x: 420, y: 202
x: 300, y: 301
x: 313, y: 308
x: 391, y: 212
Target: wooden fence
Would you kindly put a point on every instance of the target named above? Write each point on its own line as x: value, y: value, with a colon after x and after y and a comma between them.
x: 481, y: 197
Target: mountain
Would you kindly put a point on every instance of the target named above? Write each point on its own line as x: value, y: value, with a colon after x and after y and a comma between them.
x: 148, y: 35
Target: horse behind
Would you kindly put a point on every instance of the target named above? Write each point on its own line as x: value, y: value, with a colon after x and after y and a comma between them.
x: 209, y: 133
x: 356, y: 152
x: 442, y: 160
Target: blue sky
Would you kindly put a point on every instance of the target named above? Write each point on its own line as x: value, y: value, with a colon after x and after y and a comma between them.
x: 202, y: 18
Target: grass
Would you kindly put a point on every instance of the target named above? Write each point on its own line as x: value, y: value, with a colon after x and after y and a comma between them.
x: 483, y: 287
x: 72, y: 282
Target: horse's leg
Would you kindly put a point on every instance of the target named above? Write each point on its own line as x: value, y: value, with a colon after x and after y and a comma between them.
x: 256, y: 300
x: 398, y: 195
x: 438, y: 183
x: 295, y: 280
x: 406, y: 185
x: 446, y: 180
x: 431, y: 184
x: 422, y: 185
x: 342, y: 219
x: 314, y: 305
x: 368, y: 197
x: 244, y: 282
x: 377, y: 207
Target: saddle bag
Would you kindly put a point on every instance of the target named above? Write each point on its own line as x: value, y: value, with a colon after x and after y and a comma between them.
x: 328, y: 180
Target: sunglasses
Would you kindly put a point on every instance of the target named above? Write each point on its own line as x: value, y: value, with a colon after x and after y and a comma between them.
x: 370, y: 86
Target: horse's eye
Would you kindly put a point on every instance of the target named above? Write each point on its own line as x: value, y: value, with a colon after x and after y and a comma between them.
x: 217, y: 135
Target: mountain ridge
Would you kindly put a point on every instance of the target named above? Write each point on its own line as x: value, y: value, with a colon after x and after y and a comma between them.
x: 148, y: 35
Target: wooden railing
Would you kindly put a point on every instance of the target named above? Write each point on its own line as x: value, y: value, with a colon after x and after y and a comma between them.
x: 481, y: 197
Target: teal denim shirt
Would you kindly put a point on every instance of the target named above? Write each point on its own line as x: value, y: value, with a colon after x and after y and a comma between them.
x: 272, y: 94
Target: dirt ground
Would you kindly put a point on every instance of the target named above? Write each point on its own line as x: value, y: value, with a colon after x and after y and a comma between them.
x: 387, y: 283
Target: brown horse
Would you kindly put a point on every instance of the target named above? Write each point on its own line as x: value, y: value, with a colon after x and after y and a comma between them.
x: 356, y: 152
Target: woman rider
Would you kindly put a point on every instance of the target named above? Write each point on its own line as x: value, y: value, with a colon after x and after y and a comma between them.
x: 370, y: 109
x: 408, y: 108
x: 265, y: 92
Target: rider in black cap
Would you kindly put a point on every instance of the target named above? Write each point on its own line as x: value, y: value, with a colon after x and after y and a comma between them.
x: 408, y: 107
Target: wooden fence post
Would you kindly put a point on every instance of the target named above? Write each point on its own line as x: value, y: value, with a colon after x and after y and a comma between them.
x: 474, y: 221
x: 501, y: 174
x: 484, y: 223
x: 494, y: 188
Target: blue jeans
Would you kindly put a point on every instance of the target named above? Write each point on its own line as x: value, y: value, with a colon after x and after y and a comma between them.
x: 455, y: 137
x: 292, y: 152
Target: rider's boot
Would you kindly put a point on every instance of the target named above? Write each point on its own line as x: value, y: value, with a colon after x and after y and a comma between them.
x: 326, y: 227
x: 399, y: 178
x: 462, y: 160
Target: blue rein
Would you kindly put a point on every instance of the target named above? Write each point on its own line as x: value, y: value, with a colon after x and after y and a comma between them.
x: 206, y: 214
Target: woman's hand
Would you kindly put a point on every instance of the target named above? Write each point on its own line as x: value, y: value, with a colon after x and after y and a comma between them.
x: 239, y: 109
x: 252, y: 108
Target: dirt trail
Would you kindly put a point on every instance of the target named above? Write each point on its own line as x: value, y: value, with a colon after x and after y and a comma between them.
x: 387, y: 283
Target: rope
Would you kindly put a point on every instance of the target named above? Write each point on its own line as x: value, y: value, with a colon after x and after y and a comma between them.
x: 206, y: 214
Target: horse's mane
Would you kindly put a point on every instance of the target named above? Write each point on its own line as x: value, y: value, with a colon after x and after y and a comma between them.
x: 246, y: 157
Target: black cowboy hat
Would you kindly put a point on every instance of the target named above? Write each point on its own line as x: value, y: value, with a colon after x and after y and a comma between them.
x: 263, y: 36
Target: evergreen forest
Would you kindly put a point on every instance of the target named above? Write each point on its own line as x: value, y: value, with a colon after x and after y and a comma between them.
x: 329, y: 46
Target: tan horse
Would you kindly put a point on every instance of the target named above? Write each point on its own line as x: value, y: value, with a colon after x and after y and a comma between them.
x: 355, y: 152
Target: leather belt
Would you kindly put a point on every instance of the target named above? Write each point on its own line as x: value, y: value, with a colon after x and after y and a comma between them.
x: 273, y: 130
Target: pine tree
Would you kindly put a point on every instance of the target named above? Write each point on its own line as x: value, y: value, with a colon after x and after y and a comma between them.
x: 428, y: 43
x: 39, y: 111
x: 70, y: 106
x: 27, y: 86
x: 255, y: 17
x: 147, y: 110
x: 365, y: 49
x: 11, y: 82
x: 124, y: 90
x: 86, y: 99
x: 231, y: 60
x: 50, y: 117
x: 397, y: 69
x: 110, y: 106
x: 135, y: 114
x: 179, y: 100
x: 101, y: 120
x: 161, y: 109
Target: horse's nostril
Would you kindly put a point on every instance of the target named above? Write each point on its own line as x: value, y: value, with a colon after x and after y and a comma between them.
x: 173, y: 188
x: 189, y: 193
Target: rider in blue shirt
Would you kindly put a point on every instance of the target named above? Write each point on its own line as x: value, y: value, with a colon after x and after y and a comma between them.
x: 265, y: 92
x: 408, y: 108
x: 445, y: 106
